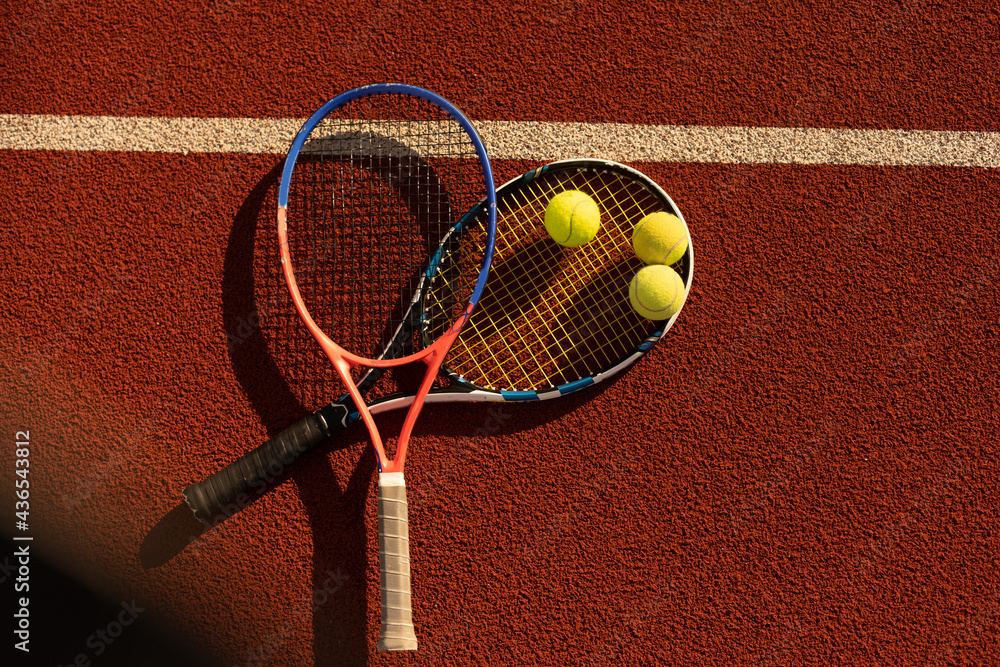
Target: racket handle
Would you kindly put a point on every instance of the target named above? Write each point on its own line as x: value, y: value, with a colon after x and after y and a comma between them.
x: 232, y: 488
x: 394, y: 565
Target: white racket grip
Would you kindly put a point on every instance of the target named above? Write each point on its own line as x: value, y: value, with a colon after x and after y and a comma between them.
x: 394, y: 565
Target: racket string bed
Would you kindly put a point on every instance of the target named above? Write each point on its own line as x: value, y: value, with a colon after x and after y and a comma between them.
x: 577, y: 319
x: 380, y: 240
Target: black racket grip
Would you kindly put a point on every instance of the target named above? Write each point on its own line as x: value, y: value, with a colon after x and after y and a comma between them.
x: 234, y: 487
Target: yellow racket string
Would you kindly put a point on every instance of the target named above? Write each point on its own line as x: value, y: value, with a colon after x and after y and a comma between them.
x: 549, y: 314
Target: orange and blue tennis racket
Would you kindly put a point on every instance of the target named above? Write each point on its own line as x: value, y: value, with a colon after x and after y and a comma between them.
x: 375, y: 209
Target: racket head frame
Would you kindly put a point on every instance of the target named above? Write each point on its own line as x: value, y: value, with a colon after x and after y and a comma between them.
x: 461, y: 389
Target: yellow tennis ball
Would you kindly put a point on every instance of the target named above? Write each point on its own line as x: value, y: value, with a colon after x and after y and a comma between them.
x: 660, y: 238
x: 656, y: 292
x: 572, y: 218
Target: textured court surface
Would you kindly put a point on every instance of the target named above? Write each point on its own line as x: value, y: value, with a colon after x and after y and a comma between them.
x: 803, y: 472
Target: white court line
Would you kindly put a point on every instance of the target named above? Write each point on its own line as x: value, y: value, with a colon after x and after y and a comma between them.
x: 529, y: 141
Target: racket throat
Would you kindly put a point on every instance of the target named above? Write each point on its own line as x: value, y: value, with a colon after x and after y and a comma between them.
x: 434, y: 359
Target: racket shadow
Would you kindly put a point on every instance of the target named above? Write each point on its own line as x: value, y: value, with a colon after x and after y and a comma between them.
x: 251, y: 295
x: 276, y: 362
x: 523, y: 279
x: 600, y: 327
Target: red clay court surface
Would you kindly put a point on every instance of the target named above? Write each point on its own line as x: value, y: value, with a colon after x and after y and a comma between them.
x: 803, y: 472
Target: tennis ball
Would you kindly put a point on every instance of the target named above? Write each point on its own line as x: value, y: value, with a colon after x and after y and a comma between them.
x: 660, y: 238
x: 572, y: 218
x: 656, y: 292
